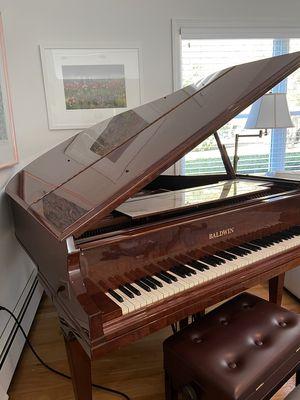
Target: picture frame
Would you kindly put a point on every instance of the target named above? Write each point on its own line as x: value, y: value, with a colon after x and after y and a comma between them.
x: 8, y: 146
x: 85, y: 85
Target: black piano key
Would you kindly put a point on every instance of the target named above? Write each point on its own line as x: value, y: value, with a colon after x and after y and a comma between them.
x: 167, y: 275
x: 188, y: 271
x: 197, y: 265
x: 288, y: 235
x: 132, y: 289
x: 207, y: 261
x: 227, y: 256
x: 126, y: 291
x: 178, y: 272
x: 181, y: 269
x: 270, y: 240
x: 274, y: 239
x: 258, y: 242
x: 155, y: 281
x: 236, y: 251
x: 149, y: 283
x: 262, y: 242
x: 163, y: 278
x: 295, y: 230
x: 203, y: 265
x: 116, y: 295
x: 251, y: 247
x: 143, y: 286
x: 243, y: 250
x: 218, y: 260
x: 186, y: 268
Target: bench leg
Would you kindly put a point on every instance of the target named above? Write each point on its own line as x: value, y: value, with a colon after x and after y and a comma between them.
x: 183, y: 323
x: 276, y: 289
x: 298, y: 376
x: 171, y: 392
x: 199, y: 316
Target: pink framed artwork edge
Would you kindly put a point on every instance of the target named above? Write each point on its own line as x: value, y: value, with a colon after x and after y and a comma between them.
x: 15, y: 156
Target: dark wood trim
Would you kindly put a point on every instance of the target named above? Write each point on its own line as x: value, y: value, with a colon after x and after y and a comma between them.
x: 80, y: 367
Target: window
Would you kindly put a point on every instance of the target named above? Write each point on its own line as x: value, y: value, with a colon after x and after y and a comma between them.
x: 280, y: 149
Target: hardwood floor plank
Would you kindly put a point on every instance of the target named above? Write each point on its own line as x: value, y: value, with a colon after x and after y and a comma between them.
x: 136, y: 369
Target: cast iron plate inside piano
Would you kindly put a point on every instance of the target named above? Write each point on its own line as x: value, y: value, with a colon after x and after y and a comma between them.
x: 170, y: 201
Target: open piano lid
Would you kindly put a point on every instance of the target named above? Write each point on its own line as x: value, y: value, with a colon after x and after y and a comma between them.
x: 94, y: 172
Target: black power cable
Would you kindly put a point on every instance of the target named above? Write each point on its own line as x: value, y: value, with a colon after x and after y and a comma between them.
x: 103, y: 388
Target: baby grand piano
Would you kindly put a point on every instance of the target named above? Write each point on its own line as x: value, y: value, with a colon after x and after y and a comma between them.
x: 123, y: 250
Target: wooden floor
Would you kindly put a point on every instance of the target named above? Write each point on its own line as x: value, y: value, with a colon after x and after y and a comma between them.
x: 136, y: 369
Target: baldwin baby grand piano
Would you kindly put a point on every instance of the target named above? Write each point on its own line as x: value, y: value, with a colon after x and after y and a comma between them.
x: 123, y: 250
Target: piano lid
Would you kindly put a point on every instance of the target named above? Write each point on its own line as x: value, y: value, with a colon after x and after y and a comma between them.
x: 94, y: 172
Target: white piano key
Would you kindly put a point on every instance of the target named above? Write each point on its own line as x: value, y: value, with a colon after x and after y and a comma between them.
x: 123, y: 306
x: 127, y: 303
x: 167, y: 290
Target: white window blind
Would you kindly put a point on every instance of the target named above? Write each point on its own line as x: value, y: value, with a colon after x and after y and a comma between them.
x: 278, y: 151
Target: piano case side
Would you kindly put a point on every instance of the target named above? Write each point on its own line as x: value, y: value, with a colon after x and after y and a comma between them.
x: 78, y: 313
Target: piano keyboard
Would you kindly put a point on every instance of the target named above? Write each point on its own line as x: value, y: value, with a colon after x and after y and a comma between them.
x: 186, y: 272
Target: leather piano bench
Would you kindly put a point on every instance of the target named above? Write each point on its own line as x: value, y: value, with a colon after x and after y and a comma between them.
x: 245, y: 349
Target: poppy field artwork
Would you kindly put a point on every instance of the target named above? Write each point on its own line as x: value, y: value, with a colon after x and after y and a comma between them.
x: 94, y: 86
x: 86, y: 85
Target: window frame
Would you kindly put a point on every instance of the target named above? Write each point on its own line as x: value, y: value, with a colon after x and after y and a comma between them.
x: 199, y: 29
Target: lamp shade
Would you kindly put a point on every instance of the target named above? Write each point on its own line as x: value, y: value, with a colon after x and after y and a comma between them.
x: 270, y: 111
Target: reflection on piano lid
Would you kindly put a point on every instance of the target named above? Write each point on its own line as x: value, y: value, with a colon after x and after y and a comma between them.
x: 103, y: 166
x: 169, y: 201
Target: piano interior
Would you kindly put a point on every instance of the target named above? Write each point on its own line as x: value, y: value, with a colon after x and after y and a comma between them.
x: 169, y: 196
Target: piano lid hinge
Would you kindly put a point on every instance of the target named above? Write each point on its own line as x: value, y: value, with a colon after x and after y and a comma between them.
x: 71, y: 245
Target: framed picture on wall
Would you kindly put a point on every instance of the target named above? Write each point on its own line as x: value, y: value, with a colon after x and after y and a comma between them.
x: 8, y: 148
x: 86, y: 85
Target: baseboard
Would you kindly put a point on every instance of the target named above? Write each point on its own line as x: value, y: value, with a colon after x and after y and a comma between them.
x: 12, y: 341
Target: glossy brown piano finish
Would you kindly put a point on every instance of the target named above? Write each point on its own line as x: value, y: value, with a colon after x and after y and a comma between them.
x: 68, y: 206
x: 131, y: 254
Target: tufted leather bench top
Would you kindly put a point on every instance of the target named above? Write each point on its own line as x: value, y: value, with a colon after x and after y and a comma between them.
x: 238, y: 350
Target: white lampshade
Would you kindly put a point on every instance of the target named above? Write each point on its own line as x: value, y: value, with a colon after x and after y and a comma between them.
x: 270, y: 111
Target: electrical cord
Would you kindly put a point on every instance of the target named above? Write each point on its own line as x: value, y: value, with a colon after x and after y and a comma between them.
x: 103, y: 388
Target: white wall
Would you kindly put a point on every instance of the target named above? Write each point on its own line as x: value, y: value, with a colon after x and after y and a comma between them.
x: 27, y: 23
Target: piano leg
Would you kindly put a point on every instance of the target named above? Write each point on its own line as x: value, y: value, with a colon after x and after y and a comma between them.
x: 276, y: 289
x: 80, y: 367
x: 170, y: 392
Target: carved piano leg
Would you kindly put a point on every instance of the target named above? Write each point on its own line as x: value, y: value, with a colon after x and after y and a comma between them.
x: 276, y: 289
x: 80, y: 367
